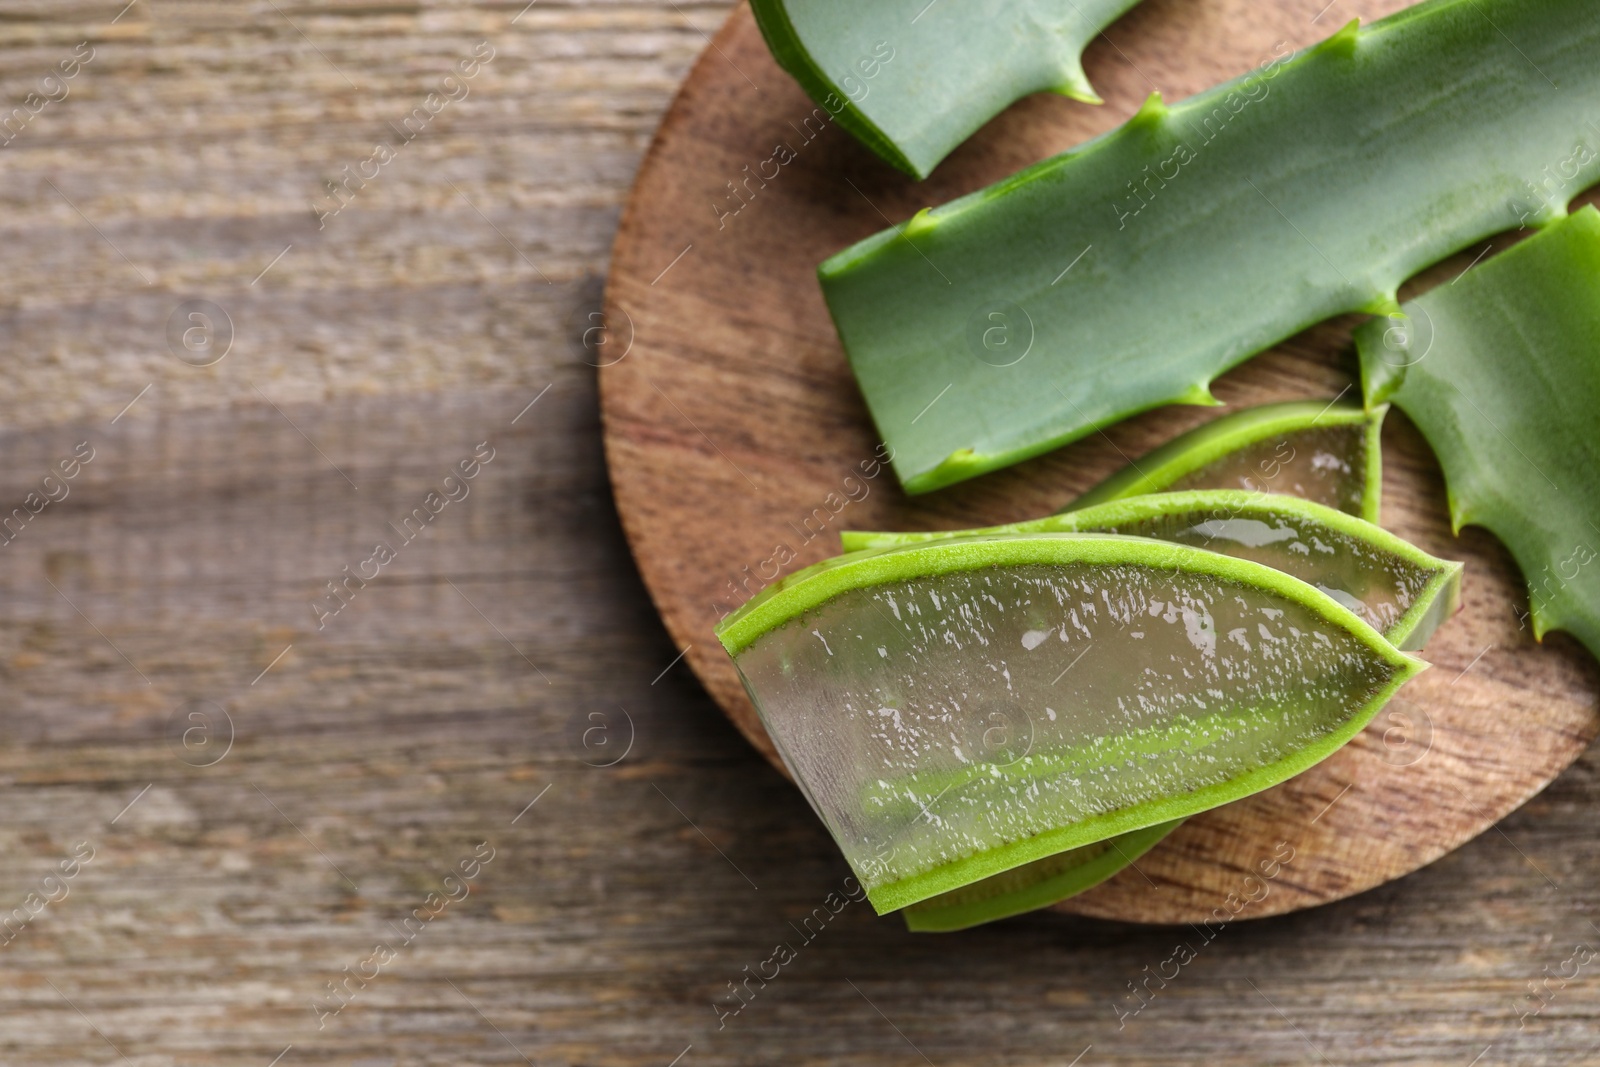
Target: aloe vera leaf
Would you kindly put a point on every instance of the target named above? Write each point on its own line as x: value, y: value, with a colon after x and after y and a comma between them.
x: 1397, y: 589
x: 1329, y: 453
x: 1212, y: 229
x: 1033, y: 885
x: 912, y: 80
x: 1326, y: 452
x: 1400, y: 590
x: 1498, y: 370
x: 1184, y: 679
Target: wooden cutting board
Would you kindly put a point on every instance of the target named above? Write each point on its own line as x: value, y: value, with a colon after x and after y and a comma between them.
x: 739, y: 447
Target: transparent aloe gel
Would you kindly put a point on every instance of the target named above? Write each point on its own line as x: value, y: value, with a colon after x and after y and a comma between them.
x: 1323, y: 449
x: 959, y: 708
x: 1399, y: 590
x: 1325, y: 452
x: 1393, y: 586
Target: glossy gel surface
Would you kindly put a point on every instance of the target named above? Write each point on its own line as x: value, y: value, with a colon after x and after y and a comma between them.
x: 1394, y: 587
x: 934, y: 718
x: 1378, y: 586
x: 1326, y: 465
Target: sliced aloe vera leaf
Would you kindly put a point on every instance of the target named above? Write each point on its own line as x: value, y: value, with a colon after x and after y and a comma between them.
x: 1152, y: 680
x: 1329, y: 453
x: 1499, y: 371
x: 1395, y: 587
x: 1211, y: 230
x: 1033, y: 885
x: 912, y: 80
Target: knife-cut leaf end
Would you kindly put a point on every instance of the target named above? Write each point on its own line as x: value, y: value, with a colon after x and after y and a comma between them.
x: 784, y: 42
x: 956, y: 467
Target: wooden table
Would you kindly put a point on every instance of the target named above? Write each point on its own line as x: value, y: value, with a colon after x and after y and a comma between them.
x: 254, y: 791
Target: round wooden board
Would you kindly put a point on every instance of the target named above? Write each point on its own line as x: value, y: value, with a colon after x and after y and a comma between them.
x: 736, y: 436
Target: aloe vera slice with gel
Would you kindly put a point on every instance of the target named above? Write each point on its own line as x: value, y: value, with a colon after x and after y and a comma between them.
x: 956, y: 709
x: 1323, y: 451
x: 1392, y: 585
x: 1395, y: 587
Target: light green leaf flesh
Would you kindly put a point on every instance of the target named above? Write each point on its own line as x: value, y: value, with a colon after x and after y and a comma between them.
x: 1500, y: 370
x: 912, y: 80
x: 1395, y: 587
x: 959, y: 708
x: 1325, y: 452
x: 1211, y: 230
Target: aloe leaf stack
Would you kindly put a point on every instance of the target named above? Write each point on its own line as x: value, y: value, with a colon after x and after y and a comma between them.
x: 1131, y: 271
x: 990, y: 720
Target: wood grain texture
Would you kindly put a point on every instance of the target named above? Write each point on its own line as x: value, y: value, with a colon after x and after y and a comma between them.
x: 467, y: 678
x: 733, y: 425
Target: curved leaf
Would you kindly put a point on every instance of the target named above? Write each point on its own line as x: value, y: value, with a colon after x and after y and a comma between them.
x: 1499, y: 371
x: 1152, y: 681
x: 1033, y: 885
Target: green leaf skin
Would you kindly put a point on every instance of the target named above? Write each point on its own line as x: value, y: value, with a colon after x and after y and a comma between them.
x: 1420, y: 591
x: 912, y: 80
x: 1255, y: 447
x: 1211, y: 230
x: 1311, y: 675
x: 1500, y: 370
x: 1034, y: 885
